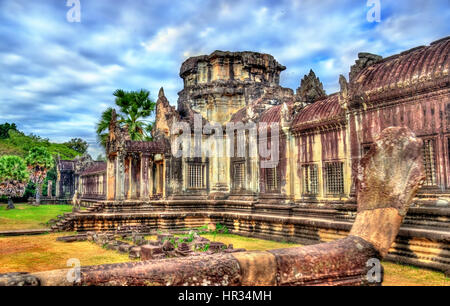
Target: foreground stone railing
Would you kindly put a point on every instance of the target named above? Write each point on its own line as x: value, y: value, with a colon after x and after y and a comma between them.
x: 390, y: 175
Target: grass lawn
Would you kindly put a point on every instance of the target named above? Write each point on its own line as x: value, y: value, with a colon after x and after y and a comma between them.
x: 250, y: 244
x: 26, y: 216
x: 43, y: 252
x: 404, y: 275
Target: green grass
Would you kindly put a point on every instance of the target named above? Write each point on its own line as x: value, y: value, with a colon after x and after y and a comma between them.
x: 250, y: 244
x: 44, y: 252
x: 26, y: 216
x: 396, y: 274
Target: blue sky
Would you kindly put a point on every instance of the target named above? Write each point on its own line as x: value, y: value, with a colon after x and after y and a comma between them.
x: 57, y: 76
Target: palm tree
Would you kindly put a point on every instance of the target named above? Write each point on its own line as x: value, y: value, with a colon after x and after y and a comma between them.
x: 134, y: 107
x: 103, y: 125
x: 13, y: 177
x: 39, y: 161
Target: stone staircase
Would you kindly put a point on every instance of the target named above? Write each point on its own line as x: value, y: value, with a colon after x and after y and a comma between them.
x: 65, y: 222
x: 62, y: 223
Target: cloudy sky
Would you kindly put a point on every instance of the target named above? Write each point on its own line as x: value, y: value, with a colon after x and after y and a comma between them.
x: 58, y: 76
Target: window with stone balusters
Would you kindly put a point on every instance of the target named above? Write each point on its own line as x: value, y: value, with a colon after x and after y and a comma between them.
x: 271, y: 178
x: 429, y: 162
x: 239, y: 175
x: 334, y: 178
x: 196, y: 175
x: 310, y: 179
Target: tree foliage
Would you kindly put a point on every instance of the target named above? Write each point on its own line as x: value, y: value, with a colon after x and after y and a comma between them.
x: 77, y: 144
x: 103, y: 125
x: 4, y: 129
x: 13, y: 176
x: 17, y: 143
x: 134, y: 108
x: 39, y: 161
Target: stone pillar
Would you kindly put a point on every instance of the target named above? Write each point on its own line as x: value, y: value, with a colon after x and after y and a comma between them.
x: 58, y: 183
x: 127, y: 177
x: 219, y: 169
x: 290, y: 163
x: 111, y: 178
x: 135, y: 176
x: 120, y: 177
x: 151, y: 176
x: 144, y: 186
x: 49, y: 188
x: 132, y: 174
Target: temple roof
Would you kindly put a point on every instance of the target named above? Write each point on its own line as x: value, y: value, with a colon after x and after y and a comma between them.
x: 407, y: 69
x: 320, y: 112
x: 273, y: 114
x: 159, y: 146
x: 66, y: 165
x: 96, y: 167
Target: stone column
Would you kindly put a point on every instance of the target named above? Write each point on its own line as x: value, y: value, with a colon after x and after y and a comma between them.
x: 150, y: 177
x: 290, y: 163
x: 58, y: 183
x: 135, y: 175
x: 144, y: 194
x: 132, y: 175
x: 49, y: 188
x: 111, y: 178
x: 120, y: 177
x: 219, y: 169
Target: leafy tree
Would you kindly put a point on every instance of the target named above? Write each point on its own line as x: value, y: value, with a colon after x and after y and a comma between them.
x: 13, y: 177
x: 20, y: 144
x: 134, y: 107
x: 103, y: 125
x: 78, y: 145
x: 4, y: 129
x: 39, y: 161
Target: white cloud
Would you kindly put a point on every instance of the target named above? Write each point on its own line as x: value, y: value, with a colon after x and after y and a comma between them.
x: 166, y: 39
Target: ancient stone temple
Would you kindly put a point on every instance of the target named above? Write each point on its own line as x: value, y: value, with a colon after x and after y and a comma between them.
x: 82, y: 176
x: 300, y: 184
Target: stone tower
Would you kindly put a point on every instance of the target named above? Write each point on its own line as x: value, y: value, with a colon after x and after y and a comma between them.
x: 219, y: 84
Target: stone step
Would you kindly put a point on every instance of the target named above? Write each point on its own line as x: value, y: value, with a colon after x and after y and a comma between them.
x: 24, y: 232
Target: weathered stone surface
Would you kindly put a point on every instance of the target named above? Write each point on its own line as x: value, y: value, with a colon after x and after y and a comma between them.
x: 80, y: 237
x: 125, y: 248
x: 135, y: 252
x: 216, y: 246
x: 310, y: 90
x: 184, y: 249
x: 364, y: 60
x: 389, y: 177
x: 18, y: 279
x: 168, y: 246
x: 342, y: 262
x: 151, y: 252
x: 392, y: 172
